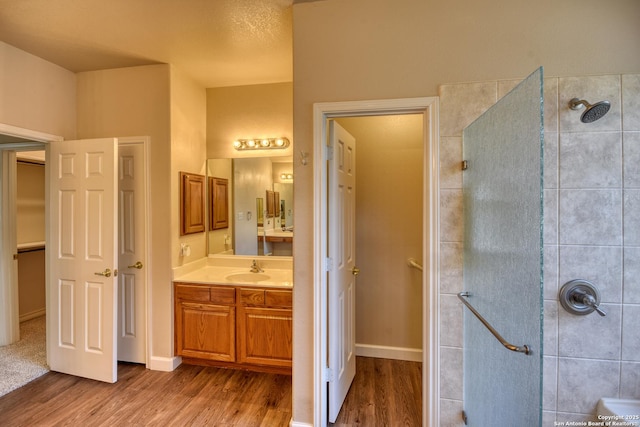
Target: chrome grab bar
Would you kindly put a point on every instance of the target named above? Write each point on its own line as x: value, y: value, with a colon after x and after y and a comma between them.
x: 523, y: 349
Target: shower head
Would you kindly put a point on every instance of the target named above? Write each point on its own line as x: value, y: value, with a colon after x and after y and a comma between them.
x: 593, y: 111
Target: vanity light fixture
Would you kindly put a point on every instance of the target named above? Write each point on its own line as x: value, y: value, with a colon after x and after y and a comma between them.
x: 260, y: 144
x: 286, y: 175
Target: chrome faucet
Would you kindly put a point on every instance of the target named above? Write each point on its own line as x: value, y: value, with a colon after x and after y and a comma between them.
x: 255, y: 268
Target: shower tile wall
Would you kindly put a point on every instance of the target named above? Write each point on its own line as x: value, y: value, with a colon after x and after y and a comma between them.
x: 592, y: 231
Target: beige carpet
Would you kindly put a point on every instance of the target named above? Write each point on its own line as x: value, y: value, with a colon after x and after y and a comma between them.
x: 25, y: 360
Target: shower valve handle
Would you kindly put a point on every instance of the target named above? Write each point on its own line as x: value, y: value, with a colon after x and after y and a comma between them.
x: 588, y: 300
x: 580, y: 297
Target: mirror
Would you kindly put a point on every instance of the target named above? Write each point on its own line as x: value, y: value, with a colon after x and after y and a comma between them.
x: 260, y: 206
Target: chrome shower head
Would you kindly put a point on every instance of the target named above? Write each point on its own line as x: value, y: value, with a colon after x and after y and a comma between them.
x: 593, y: 111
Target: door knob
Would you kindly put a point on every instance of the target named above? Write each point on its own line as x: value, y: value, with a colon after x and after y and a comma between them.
x: 137, y: 265
x: 105, y: 273
x: 355, y: 271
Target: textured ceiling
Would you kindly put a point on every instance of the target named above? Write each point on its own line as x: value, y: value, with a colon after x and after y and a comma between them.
x: 216, y: 42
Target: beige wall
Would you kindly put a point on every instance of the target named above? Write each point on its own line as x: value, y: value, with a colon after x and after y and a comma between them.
x: 253, y: 111
x: 388, y: 231
x: 135, y: 102
x: 30, y: 221
x: 30, y: 204
x: 372, y: 49
x: 188, y: 154
x: 36, y: 94
x: 31, y: 284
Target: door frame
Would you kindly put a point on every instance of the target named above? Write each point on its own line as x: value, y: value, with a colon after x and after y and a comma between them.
x: 32, y: 140
x: 428, y: 107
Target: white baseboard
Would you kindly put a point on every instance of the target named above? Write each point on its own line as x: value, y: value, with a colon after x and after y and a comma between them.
x: 298, y: 424
x: 33, y: 315
x: 385, y: 352
x: 166, y: 364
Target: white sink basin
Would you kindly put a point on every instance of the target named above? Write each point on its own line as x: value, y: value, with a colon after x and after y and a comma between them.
x: 247, y: 277
x: 608, y: 406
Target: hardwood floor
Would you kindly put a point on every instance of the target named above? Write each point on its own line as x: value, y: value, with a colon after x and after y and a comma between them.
x: 191, y: 395
x: 384, y: 393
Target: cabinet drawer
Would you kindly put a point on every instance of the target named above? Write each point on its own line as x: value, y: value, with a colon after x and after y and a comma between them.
x: 252, y: 296
x: 278, y: 298
x: 192, y: 293
x: 226, y: 295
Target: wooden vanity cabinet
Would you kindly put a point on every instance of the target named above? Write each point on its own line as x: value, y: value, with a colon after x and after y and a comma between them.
x: 264, y: 325
x: 205, y: 322
x: 234, y: 326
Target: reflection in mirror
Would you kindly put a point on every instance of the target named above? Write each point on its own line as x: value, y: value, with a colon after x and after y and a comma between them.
x: 251, y: 230
x: 260, y: 211
x: 286, y: 202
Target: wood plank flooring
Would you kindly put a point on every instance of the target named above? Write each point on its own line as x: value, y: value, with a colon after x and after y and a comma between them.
x: 191, y: 395
x: 384, y: 393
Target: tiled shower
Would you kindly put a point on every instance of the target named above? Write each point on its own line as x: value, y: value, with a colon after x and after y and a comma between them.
x: 591, y: 231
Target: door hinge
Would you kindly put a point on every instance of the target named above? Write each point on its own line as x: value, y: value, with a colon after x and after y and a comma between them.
x: 328, y: 152
x: 327, y: 374
x: 328, y: 264
x: 465, y: 165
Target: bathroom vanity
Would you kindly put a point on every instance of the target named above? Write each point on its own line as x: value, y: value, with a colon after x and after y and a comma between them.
x: 231, y: 317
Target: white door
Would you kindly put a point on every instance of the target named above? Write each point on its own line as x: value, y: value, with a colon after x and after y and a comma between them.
x: 342, y: 271
x: 131, y: 251
x: 81, y: 258
x: 9, y: 316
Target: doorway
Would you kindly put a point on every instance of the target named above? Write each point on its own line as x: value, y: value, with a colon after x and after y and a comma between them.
x: 387, y: 291
x: 427, y: 108
x: 131, y: 229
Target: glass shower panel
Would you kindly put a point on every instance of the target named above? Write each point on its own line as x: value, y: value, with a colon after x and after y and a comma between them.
x: 503, y: 260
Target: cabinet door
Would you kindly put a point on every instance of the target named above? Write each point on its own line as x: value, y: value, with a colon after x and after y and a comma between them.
x: 205, y: 331
x: 276, y: 203
x: 191, y: 203
x: 271, y: 206
x: 264, y: 336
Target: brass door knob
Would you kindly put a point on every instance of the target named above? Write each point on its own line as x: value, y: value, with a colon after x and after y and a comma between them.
x: 137, y: 265
x: 355, y: 271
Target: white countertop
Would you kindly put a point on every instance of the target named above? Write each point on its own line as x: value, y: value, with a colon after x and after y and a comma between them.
x: 278, y: 233
x: 276, y: 273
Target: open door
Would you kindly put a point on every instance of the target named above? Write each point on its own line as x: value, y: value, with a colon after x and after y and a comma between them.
x: 502, y: 260
x: 342, y: 269
x: 9, y: 316
x: 81, y: 261
x: 132, y: 330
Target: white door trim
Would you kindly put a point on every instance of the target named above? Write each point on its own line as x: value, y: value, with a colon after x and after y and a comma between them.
x: 31, y: 135
x: 10, y: 319
x: 431, y: 239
